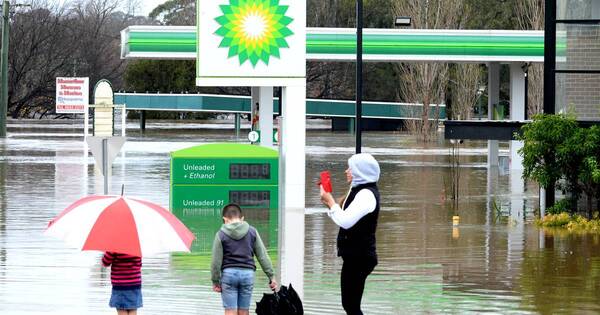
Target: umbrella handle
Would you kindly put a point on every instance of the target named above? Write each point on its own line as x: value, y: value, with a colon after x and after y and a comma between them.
x: 122, y: 189
x: 272, y: 289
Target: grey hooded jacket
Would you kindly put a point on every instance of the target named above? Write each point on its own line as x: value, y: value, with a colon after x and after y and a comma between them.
x: 235, y: 245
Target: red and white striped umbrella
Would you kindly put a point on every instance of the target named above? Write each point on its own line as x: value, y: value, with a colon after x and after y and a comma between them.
x: 123, y: 225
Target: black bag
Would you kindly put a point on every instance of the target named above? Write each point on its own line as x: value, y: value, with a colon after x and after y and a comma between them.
x: 284, y: 302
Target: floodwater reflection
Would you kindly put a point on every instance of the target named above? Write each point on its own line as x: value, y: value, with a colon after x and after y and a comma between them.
x: 495, y: 260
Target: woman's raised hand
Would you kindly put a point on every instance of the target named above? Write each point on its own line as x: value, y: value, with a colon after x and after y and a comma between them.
x: 326, y: 198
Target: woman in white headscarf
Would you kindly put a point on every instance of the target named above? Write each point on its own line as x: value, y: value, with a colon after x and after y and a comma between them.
x: 356, y: 215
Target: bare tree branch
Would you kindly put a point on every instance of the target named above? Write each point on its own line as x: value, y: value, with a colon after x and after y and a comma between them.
x: 530, y: 15
x: 50, y: 40
x: 469, y: 78
x: 426, y: 83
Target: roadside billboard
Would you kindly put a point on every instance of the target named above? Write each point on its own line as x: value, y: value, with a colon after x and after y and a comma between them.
x: 72, y: 95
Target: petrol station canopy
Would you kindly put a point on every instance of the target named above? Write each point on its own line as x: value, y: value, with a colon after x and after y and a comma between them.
x: 339, y: 44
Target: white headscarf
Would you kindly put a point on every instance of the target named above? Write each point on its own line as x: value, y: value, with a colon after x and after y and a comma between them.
x: 364, y: 169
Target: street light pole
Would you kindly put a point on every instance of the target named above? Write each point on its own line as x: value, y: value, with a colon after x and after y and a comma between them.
x: 399, y: 21
x: 359, y: 74
x: 4, y: 70
x: 4, y: 65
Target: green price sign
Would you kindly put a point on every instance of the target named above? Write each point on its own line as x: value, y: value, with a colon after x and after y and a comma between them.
x: 206, y: 178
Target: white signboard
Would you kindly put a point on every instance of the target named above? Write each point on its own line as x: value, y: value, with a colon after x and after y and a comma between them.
x: 253, y: 136
x: 103, y: 115
x: 72, y: 95
x: 251, y: 42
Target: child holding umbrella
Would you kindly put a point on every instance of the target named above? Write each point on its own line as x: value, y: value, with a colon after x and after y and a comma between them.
x: 126, y: 279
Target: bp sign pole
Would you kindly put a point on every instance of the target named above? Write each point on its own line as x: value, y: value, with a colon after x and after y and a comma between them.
x: 239, y: 45
x: 4, y: 65
x: 4, y: 62
x: 359, y: 73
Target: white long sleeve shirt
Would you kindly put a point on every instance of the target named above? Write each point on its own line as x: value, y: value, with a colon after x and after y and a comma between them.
x: 364, y: 203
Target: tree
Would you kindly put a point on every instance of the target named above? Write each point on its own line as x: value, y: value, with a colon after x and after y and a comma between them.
x: 39, y: 48
x: 465, y: 85
x: 542, y: 139
x: 583, y: 171
x: 171, y: 75
x: 426, y: 82
x: 335, y: 79
x: 175, y: 12
x: 530, y: 14
x: 491, y: 14
x: 341, y: 13
x: 334, y: 13
x: 98, y: 25
x: 49, y: 40
x: 557, y: 149
x: 160, y: 76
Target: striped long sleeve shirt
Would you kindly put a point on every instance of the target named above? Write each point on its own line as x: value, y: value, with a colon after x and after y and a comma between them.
x: 126, y: 270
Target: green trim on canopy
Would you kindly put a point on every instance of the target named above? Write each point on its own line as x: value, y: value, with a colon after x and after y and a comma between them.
x: 426, y: 45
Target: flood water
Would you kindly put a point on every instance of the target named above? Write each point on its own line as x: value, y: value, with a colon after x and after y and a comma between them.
x: 495, y: 261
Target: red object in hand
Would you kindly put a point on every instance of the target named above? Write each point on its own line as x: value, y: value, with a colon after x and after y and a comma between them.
x: 326, y: 181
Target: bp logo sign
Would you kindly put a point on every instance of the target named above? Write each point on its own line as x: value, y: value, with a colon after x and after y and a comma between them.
x: 251, y: 42
x: 254, y: 30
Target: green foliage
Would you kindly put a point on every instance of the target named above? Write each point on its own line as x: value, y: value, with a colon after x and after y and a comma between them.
x: 160, y: 75
x: 560, y: 206
x: 491, y: 14
x: 543, y: 153
x: 342, y: 13
x: 175, y: 12
x: 378, y: 13
x: 554, y: 220
x: 590, y: 167
x: 573, y: 223
x: 581, y: 224
x: 556, y: 148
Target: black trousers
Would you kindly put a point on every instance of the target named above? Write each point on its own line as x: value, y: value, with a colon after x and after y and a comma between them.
x: 355, y: 271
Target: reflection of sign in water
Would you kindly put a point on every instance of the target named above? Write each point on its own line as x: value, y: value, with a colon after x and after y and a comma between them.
x: 250, y: 198
x: 72, y: 95
x: 204, y: 222
x: 207, y: 177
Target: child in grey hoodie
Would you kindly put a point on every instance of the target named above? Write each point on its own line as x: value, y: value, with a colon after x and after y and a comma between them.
x: 232, y: 267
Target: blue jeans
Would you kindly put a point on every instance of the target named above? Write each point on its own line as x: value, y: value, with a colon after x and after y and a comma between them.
x: 236, y: 288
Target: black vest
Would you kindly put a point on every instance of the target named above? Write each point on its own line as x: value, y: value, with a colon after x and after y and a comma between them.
x: 238, y: 253
x: 359, y: 240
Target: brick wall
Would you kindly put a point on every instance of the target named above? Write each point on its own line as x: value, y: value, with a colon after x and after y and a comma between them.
x: 580, y: 92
